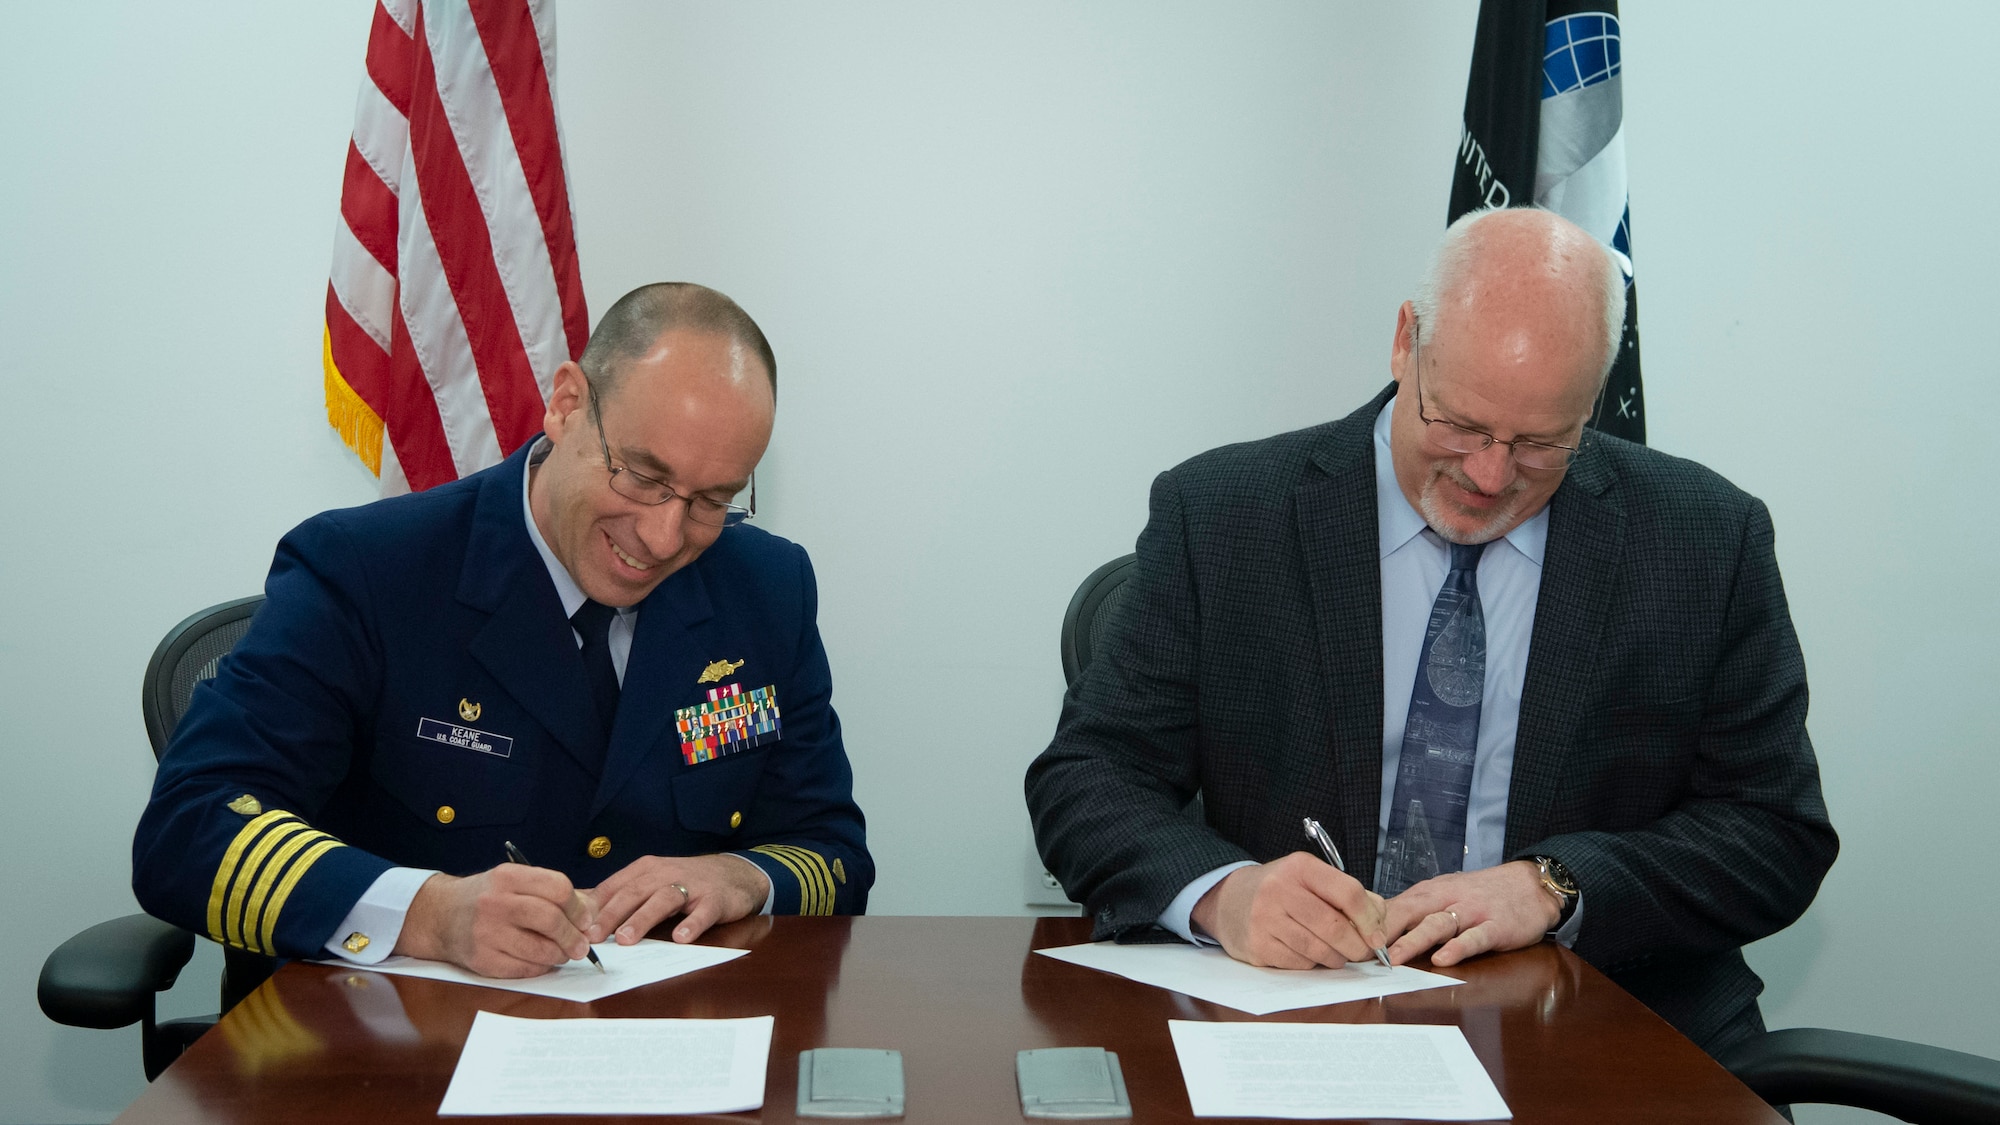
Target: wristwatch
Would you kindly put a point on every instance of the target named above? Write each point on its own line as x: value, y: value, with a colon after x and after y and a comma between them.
x: 1557, y: 880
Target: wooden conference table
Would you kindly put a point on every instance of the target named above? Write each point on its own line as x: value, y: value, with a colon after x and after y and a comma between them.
x: 958, y: 996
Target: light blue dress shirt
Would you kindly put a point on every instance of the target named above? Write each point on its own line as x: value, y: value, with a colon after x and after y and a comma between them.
x: 1414, y: 563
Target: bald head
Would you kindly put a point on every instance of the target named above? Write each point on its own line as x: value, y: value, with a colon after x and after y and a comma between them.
x: 1527, y: 267
x: 633, y: 327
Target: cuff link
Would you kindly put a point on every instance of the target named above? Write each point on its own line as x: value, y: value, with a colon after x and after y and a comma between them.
x: 356, y: 942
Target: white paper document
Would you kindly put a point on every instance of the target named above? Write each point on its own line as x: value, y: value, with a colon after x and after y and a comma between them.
x: 1421, y: 1071
x: 625, y: 967
x: 1205, y: 972
x: 523, y: 1066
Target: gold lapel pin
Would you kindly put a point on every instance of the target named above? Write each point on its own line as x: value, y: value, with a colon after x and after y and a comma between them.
x: 468, y: 710
x: 716, y: 670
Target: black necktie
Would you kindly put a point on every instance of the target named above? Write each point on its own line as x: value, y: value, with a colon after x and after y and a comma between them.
x: 593, y: 623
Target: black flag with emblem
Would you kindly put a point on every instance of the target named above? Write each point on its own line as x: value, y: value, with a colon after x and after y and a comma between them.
x: 1544, y: 125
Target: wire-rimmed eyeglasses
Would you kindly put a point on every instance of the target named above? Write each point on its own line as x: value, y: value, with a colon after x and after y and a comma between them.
x: 1465, y: 440
x: 639, y: 487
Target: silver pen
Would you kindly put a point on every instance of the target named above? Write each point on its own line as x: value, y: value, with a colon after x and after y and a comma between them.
x: 1332, y: 854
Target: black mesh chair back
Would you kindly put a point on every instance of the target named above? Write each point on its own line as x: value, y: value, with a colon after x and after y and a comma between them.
x: 109, y: 975
x: 1089, y: 611
x: 186, y: 656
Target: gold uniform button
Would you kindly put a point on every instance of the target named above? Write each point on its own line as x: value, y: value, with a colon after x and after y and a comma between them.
x: 599, y: 847
x: 736, y: 820
x: 446, y: 814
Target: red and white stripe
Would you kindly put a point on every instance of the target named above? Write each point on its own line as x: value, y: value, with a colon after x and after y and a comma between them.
x: 454, y: 293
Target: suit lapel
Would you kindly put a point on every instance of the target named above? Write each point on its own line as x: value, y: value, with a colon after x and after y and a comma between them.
x: 526, y: 643
x: 1340, y: 544
x: 1586, y: 539
x: 669, y: 651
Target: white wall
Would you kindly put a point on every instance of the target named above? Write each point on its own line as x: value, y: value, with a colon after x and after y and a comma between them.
x: 1015, y: 260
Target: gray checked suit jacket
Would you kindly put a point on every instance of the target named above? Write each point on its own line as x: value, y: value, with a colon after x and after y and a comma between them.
x: 1661, y: 753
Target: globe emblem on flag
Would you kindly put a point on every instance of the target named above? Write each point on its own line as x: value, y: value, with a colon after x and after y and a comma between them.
x: 1578, y: 51
x: 1456, y: 667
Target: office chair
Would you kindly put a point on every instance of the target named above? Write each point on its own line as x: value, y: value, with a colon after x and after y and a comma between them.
x: 1089, y: 608
x: 1910, y: 1081
x: 109, y: 975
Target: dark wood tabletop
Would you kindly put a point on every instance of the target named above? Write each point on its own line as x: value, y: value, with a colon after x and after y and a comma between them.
x: 958, y: 996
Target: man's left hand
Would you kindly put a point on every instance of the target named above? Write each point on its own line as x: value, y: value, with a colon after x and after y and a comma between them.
x: 1467, y: 913
x: 709, y: 889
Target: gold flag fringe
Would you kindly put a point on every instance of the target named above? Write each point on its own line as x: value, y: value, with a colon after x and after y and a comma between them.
x: 358, y: 426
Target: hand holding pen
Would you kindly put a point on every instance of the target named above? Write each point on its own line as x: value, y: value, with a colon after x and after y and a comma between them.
x: 515, y: 855
x: 1325, y: 842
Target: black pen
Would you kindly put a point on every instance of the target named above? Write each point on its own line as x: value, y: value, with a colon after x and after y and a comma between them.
x: 1325, y: 843
x: 515, y: 855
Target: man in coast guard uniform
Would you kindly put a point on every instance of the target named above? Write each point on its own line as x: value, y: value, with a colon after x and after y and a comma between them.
x: 582, y: 652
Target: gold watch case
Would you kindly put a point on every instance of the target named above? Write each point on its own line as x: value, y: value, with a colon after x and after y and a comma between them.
x: 1557, y: 880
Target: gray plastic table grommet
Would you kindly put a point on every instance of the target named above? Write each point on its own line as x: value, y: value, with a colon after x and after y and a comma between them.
x: 850, y: 1082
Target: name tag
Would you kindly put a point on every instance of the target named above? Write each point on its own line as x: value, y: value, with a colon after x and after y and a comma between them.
x: 465, y: 738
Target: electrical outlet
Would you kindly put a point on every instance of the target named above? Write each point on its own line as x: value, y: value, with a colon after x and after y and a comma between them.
x: 1039, y: 887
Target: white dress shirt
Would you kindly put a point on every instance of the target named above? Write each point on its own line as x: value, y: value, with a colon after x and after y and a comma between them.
x: 1415, y: 561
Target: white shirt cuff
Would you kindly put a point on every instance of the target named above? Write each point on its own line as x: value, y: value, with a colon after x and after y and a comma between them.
x: 1179, y: 914
x: 1565, y: 934
x: 378, y: 916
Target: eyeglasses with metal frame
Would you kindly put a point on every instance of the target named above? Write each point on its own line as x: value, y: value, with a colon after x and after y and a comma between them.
x: 639, y: 487
x: 1465, y: 440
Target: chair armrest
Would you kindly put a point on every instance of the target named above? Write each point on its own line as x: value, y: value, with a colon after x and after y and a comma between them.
x: 1918, y: 1083
x: 106, y: 976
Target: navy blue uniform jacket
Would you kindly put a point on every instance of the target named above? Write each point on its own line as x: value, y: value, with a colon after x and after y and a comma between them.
x: 391, y: 626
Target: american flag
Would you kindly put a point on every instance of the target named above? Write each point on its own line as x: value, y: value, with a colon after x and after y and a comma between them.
x: 454, y: 293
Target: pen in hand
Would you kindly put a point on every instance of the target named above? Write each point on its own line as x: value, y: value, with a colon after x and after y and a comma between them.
x: 515, y: 855
x: 1332, y: 854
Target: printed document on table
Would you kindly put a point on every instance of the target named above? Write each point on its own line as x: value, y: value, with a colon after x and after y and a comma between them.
x: 523, y: 1066
x: 1424, y: 1072
x: 1205, y: 972
x: 625, y: 967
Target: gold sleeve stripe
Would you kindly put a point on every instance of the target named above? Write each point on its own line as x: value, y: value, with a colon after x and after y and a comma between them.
x: 272, y: 851
x: 230, y: 858
x: 262, y: 913
x: 798, y: 872
x: 284, y: 891
x: 816, y: 864
x: 243, y: 879
x: 816, y: 890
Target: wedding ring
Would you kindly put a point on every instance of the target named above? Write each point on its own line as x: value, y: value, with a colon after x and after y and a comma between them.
x: 1457, y: 927
x: 685, y: 896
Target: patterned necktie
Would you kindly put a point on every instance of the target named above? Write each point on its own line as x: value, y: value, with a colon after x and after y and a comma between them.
x: 1434, y: 774
x: 593, y: 623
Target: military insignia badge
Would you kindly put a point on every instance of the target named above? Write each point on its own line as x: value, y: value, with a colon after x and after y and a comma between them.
x: 731, y: 720
x: 246, y: 805
x: 717, y: 669
x: 469, y: 711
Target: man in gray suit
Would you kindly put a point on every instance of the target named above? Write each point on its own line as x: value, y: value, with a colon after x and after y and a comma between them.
x: 1537, y: 682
